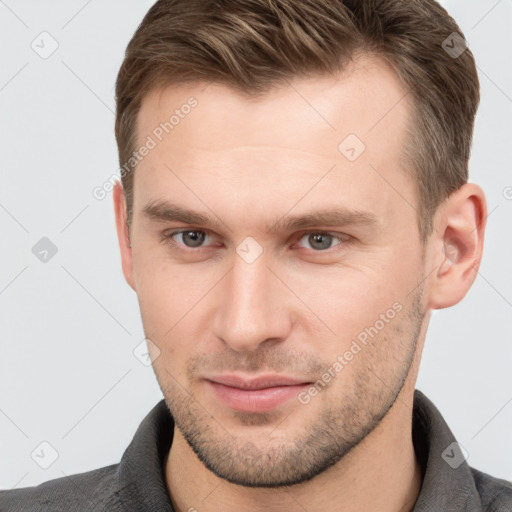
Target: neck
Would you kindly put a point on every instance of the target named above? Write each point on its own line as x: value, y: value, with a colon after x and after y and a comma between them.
x: 381, y: 474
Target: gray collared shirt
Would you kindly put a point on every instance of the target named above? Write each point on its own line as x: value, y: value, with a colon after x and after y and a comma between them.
x: 137, y: 483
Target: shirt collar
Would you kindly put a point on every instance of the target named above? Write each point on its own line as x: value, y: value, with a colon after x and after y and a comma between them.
x: 140, y: 474
x: 448, y: 483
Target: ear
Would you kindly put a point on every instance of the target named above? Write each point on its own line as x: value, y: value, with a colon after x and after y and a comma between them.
x: 123, y: 234
x: 458, y: 245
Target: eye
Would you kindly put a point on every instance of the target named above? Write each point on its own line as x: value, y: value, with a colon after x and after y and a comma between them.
x: 321, y: 241
x: 318, y: 241
x: 189, y: 238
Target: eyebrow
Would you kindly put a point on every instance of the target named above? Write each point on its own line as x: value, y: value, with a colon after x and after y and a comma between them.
x: 163, y: 211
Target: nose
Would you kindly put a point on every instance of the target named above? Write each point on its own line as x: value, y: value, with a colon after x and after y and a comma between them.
x: 253, y: 308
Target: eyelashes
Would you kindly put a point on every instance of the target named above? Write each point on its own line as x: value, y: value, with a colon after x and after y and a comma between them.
x: 198, y: 237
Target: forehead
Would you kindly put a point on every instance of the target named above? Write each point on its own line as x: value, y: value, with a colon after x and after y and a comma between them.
x: 284, y: 140
x: 365, y: 98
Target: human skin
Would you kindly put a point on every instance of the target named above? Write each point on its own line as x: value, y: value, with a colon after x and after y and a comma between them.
x: 295, y: 308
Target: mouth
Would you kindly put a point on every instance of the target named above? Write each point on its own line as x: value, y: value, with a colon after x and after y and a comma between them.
x: 255, y: 395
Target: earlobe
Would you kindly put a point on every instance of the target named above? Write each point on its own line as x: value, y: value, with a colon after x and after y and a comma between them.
x: 123, y: 234
x: 458, y: 241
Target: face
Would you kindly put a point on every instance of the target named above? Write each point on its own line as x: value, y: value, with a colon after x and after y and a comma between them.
x: 287, y: 312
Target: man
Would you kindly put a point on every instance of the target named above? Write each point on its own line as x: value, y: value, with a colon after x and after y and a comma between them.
x: 294, y: 204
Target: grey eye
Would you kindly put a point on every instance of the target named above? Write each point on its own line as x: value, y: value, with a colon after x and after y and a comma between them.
x: 192, y: 239
x: 320, y: 241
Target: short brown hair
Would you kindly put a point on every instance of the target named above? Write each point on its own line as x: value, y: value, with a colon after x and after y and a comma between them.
x: 254, y: 45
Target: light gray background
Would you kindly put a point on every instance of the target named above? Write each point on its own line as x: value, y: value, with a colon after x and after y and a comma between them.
x: 69, y: 326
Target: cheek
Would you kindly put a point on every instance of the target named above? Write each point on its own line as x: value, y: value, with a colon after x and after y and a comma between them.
x: 162, y: 287
x: 172, y: 299
x: 159, y: 302
x: 347, y: 299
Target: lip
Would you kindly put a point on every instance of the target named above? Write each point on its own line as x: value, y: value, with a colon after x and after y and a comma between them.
x: 258, y: 394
